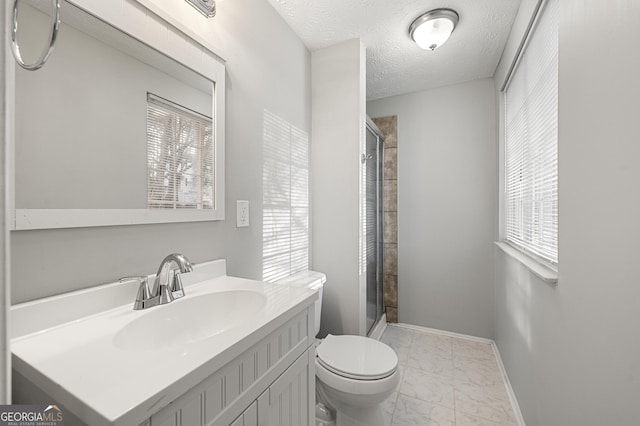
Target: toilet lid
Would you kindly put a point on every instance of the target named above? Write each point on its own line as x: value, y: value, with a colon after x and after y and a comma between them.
x: 357, y: 357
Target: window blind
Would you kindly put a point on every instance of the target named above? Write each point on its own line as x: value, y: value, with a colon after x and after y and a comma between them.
x: 179, y: 157
x: 531, y: 142
x: 285, y: 214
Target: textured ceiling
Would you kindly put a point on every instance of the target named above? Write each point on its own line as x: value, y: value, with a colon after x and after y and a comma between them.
x: 395, y: 64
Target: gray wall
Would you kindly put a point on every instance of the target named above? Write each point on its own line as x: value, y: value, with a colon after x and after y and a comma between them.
x: 268, y: 67
x: 572, y: 351
x: 447, y: 205
x: 338, y: 129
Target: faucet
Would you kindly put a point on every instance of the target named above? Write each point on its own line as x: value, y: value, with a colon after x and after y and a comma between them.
x: 167, y: 285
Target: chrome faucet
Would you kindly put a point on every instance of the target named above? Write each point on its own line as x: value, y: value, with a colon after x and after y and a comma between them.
x: 167, y: 285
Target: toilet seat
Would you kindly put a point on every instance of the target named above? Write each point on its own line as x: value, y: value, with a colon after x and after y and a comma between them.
x: 357, y: 357
x: 367, y: 389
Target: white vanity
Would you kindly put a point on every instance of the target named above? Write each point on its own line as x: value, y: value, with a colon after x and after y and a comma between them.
x: 231, y: 352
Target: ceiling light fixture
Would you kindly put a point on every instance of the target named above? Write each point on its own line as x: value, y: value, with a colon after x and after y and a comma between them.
x: 432, y: 29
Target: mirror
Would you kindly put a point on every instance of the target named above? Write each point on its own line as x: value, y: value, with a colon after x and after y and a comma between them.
x: 81, y: 125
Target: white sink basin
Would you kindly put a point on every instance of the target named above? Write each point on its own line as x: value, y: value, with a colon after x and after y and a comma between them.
x: 188, y: 320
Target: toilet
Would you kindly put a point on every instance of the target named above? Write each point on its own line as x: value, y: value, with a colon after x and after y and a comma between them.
x: 354, y: 374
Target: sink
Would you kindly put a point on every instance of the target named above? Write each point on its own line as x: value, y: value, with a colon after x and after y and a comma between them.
x: 189, y: 320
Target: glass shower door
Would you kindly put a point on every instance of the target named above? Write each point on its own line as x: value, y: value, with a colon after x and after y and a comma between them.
x: 373, y: 162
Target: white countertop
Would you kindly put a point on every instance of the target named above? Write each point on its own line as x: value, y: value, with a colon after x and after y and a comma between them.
x: 77, y: 363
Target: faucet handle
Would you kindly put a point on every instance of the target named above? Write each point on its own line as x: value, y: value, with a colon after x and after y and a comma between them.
x: 143, y: 291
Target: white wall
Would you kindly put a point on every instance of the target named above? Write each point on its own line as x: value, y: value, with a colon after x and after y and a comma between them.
x: 572, y: 351
x: 447, y: 205
x: 268, y: 67
x: 338, y: 106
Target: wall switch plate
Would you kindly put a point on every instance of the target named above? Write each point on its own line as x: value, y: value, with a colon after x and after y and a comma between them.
x: 242, y: 213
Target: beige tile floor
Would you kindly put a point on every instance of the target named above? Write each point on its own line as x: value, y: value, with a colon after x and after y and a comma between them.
x: 445, y: 381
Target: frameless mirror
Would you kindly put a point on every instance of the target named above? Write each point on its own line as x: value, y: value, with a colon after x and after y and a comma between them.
x: 109, y: 127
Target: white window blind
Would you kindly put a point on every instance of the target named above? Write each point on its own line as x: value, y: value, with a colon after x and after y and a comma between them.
x: 531, y: 142
x: 179, y: 157
x: 285, y: 217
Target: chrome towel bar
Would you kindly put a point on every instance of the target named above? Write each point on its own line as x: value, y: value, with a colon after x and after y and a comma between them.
x: 46, y: 52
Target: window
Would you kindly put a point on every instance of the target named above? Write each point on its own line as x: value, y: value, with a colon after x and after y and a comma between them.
x: 179, y: 157
x: 285, y: 180
x: 531, y: 142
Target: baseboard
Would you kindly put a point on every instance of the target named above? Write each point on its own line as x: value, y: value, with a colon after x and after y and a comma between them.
x: 507, y: 384
x: 445, y: 333
x: 505, y: 378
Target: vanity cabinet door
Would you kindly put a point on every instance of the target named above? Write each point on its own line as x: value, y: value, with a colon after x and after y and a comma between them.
x: 279, y: 368
x: 290, y: 400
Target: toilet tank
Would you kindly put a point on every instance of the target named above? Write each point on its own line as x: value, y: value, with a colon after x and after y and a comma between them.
x: 312, y: 280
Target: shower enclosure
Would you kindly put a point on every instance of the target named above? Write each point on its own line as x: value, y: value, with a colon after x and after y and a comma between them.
x: 372, y: 160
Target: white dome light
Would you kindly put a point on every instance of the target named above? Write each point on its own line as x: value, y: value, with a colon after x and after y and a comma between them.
x: 432, y: 29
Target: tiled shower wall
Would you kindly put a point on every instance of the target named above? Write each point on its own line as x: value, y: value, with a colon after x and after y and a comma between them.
x: 389, y: 128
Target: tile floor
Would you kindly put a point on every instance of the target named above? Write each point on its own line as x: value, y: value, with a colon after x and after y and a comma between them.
x: 445, y: 381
